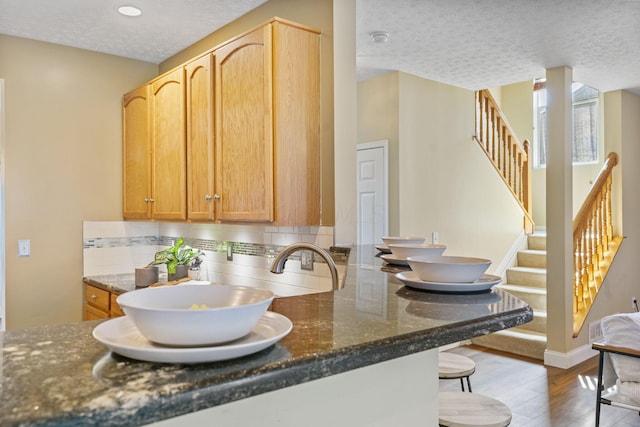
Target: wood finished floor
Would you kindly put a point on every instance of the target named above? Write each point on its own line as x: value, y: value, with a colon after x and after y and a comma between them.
x: 538, y: 395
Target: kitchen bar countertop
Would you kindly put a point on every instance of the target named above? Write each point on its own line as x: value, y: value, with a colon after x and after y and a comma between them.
x: 60, y: 375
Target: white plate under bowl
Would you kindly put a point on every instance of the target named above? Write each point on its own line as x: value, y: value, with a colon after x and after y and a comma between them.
x: 392, y: 259
x: 121, y: 336
x: 384, y: 249
x: 485, y: 282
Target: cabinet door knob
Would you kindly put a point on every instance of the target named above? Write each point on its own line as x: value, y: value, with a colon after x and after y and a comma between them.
x: 216, y: 197
x: 93, y: 297
x: 152, y: 200
x: 207, y: 197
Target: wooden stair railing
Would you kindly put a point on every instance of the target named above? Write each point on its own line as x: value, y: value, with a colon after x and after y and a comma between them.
x: 506, y: 153
x: 594, y: 244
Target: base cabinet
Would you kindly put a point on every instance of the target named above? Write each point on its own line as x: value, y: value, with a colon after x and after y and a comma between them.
x: 100, y: 304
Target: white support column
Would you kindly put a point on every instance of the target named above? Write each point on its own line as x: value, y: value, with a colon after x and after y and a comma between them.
x: 559, y: 210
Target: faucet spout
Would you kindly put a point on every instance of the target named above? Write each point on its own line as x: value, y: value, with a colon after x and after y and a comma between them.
x: 278, y: 263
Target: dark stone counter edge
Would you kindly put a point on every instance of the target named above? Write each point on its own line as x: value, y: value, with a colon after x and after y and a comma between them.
x: 280, y: 375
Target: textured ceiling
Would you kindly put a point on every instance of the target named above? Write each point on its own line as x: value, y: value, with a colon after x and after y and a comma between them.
x: 165, y: 27
x: 477, y: 44
x: 467, y: 43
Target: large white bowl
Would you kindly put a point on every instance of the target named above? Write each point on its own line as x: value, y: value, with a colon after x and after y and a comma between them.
x: 446, y: 269
x: 388, y: 240
x: 164, y: 315
x: 405, y: 250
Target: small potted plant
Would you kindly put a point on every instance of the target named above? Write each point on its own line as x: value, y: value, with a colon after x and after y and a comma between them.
x: 177, y: 259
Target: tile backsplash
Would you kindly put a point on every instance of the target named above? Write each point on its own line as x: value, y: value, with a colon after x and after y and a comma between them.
x: 115, y: 247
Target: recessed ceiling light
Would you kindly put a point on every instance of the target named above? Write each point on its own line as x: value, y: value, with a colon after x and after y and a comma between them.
x: 129, y: 11
x: 379, y: 36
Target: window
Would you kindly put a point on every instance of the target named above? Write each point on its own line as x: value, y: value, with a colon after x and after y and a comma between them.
x: 585, y: 124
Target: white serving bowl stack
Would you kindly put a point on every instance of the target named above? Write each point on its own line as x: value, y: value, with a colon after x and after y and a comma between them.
x: 388, y: 240
x: 406, y: 250
x: 448, y: 269
x: 167, y: 315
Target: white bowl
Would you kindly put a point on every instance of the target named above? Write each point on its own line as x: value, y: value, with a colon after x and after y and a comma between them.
x: 165, y: 315
x: 398, y: 240
x: 446, y: 269
x: 405, y: 250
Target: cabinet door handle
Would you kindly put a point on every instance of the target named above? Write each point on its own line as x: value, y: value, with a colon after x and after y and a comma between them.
x: 207, y: 197
x: 152, y: 200
x: 94, y: 297
x: 148, y: 200
x: 216, y: 197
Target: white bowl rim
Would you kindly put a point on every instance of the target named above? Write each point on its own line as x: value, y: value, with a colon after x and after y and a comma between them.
x: 417, y: 245
x: 452, y: 260
x: 199, y: 310
x: 403, y: 238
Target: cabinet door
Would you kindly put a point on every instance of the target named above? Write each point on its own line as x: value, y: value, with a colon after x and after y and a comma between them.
x: 296, y: 100
x: 243, y: 128
x: 136, y: 149
x: 199, y: 88
x: 169, y: 175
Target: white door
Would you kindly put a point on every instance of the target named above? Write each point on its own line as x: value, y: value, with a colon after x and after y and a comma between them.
x: 373, y: 177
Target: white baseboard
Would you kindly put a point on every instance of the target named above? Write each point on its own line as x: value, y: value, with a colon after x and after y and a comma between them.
x: 567, y: 360
x: 509, y: 259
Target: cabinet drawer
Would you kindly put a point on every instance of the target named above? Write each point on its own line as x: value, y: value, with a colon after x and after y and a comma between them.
x: 97, y: 297
x: 115, y: 311
x: 92, y: 313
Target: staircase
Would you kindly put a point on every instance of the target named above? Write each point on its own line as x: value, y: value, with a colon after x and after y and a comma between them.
x: 527, y: 281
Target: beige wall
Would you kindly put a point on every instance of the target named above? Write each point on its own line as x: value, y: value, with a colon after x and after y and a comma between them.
x: 378, y: 119
x: 63, y: 166
x: 517, y: 104
x: 621, y: 284
x: 444, y: 181
x: 314, y: 13
x: 345, y: 119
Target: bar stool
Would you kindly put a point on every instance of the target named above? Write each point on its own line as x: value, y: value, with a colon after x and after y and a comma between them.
x: 459, y: 409
x: 451, y: 366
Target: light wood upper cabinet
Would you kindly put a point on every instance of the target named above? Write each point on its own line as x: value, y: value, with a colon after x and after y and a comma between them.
x: 169, y: 163
x: 200, y: 154
x: 234, y: 135
x: 243, y: 127
x: 296, y: 104
x: 136, y: 154
x: 268, y: 126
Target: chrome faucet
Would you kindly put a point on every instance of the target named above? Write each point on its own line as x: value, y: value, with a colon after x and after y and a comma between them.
x: 278, y: 263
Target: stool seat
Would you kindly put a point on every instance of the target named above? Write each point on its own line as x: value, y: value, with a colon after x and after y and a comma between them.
x: 452, y: 365
x: 459, y: 409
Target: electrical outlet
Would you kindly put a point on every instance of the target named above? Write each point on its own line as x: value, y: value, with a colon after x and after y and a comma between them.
x: 229, y: 251
x: 306, y: 260
x: 434, y: 238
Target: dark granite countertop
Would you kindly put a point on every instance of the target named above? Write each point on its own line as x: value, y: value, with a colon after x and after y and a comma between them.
x: 60, y: 375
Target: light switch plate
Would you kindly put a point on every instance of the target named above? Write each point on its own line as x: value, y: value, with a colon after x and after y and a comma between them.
x: 24, y: 247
